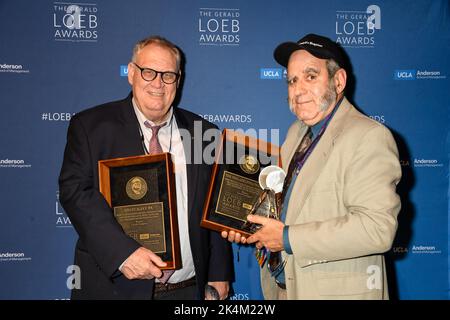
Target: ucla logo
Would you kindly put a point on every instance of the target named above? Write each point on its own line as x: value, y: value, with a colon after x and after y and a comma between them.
x: 124, y: 71
x: 404, y: 163
x: 405, y: 75
x: 400, y: 250
x: 271, y: 73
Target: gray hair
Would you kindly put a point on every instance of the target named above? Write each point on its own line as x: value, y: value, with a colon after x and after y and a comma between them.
x: 332, y: 68
x: 159, y: 41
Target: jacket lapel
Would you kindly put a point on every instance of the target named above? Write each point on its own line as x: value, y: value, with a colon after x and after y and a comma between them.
x: 293, y: 139
x: 130, y: 133
x: 315, y: 163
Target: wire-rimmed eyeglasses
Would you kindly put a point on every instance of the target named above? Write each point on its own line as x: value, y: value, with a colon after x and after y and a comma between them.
x: 168, y: 77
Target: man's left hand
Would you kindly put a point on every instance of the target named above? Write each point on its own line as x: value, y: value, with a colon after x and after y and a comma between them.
x: 270, y: 235
x: 222, y: 288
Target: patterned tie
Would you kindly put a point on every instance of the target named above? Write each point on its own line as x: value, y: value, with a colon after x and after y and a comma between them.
x: 154, y: 148
x: 275, y: 264
x: 154, y: 145
x: 295, y: 164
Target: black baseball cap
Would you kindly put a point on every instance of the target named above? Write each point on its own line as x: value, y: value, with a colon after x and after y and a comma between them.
x: 319, y: 46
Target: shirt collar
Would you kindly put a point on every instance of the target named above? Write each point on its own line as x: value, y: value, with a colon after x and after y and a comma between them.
x: 141, y: 117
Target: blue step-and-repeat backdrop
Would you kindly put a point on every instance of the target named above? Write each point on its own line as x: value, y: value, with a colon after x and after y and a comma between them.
x: 57, y: 58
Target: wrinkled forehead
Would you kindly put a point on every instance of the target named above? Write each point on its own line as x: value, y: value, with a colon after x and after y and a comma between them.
x: 155, y: 52
x: 302, y: 61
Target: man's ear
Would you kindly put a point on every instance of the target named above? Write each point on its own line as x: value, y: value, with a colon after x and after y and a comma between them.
x: 340, y: 80
x: 131, y: 71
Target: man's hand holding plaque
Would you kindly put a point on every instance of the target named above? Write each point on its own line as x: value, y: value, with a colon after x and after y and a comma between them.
x: 143, y: 264
x: 234, y: 186
x: 141, y: 192
x: 265, y: 213
x: 268, y: 205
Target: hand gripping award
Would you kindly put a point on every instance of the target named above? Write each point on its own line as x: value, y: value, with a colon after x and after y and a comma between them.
x: 271, y: 180
x: 141, y: 192
x: 235, y: 184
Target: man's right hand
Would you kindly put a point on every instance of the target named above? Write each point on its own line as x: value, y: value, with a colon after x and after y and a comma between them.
x: 143, y: 264
x: 234, y: 237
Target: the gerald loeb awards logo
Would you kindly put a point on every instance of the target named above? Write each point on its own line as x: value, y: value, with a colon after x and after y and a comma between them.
x: 357, y: 28
x: 75, y: 22
x: 218, y: 26
x: 136, y: 188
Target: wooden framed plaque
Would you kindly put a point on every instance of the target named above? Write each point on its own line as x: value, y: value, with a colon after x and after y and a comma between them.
x: 141, y: 192
x: 234, y: 186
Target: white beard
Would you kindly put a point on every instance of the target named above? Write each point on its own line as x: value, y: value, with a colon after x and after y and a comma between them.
x: 326, y: 101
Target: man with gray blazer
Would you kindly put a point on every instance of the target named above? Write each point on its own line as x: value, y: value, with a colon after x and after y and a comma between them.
x: 340, y: 203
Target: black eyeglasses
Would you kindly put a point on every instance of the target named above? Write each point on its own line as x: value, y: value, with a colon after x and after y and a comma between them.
x: 168, y: 77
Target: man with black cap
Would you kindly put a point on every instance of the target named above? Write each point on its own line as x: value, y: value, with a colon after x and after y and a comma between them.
x: 340, y: 204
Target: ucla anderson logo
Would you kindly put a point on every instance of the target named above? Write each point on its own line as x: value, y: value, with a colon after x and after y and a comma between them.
x: 414, y: 74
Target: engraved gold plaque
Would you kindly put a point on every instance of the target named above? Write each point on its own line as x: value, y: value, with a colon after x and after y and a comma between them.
x: 234, y: 187
x: 141, y: 193
x: 236, y: 195
x: 144, y: 223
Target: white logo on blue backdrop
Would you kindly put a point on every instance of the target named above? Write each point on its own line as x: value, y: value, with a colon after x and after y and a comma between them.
x: 14, y: 68
x: 74, y: 22
x: 124, y: 70
x: 62, y: 220
x: 357, y: 28
x: 414, y: 74
x: 271, y: 73
x: 218, y: 26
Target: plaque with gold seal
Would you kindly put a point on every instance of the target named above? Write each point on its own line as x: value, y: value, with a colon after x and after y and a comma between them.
x: 234, y: 188
x: 141, y: 192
